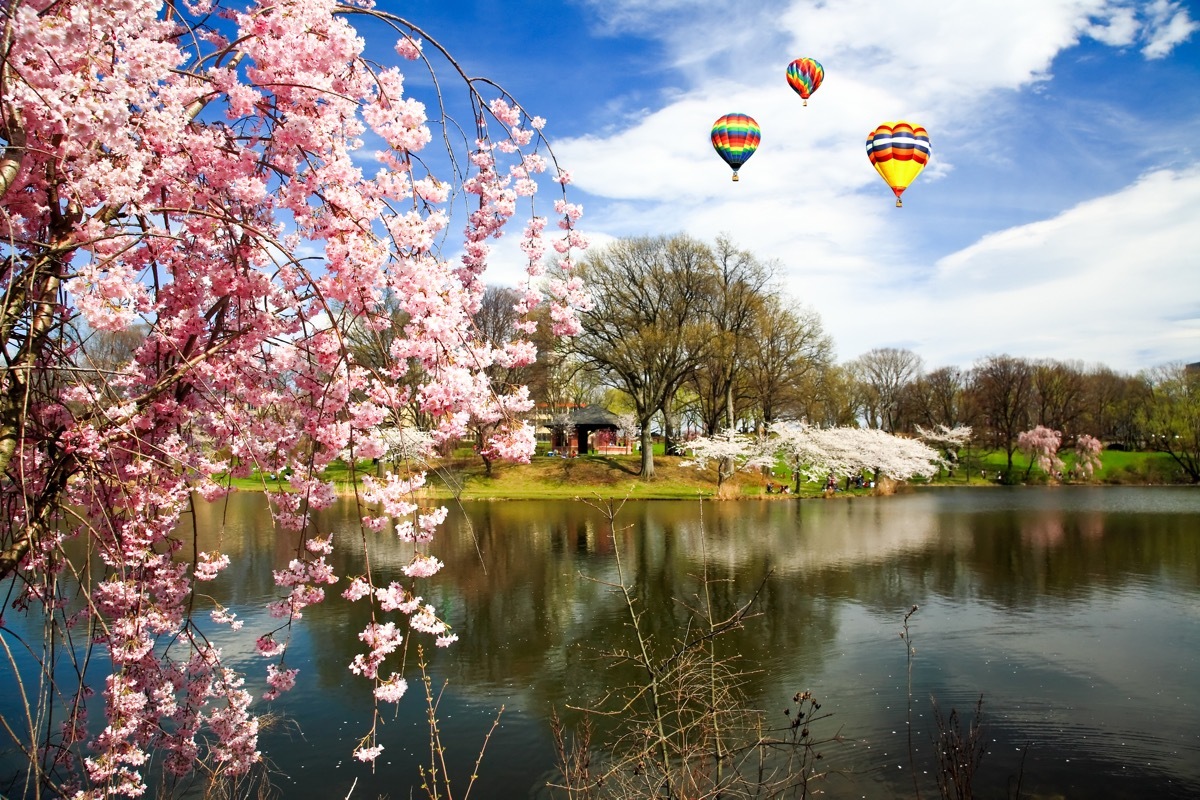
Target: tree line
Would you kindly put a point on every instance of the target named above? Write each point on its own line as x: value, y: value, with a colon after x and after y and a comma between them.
x: 693, y: 338
x: 697, y: 337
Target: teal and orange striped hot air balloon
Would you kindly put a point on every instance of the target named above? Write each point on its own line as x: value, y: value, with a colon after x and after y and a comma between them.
x: 805, y: 76
x: 735, y: 137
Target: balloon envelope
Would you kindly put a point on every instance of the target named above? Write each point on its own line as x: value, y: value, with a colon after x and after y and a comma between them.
x: 804, y: 75
x: 899, y: 151
x: 735, y: 137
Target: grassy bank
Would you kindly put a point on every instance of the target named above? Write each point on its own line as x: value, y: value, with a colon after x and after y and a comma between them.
x: 549, y: 478
x: 1117, y: 467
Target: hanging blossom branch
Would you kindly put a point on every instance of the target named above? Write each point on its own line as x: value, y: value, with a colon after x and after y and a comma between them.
x: 946, y: 438
x: 168, y: 173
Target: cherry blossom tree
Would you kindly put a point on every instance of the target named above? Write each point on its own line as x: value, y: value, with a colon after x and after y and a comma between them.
x: 1041, y: 445
x: 405, y: 447
x: 948, y: 440
x: 798, y: 445
x: 627, y: 425
x: 1087, y: 455
x: 815, y: 453
x: 200, y: 172
x: 730, y: 450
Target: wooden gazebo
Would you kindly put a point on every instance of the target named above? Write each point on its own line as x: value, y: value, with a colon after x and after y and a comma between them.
x: 586, y: 421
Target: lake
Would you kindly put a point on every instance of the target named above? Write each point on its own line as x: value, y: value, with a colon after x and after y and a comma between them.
x: 1073, y: 611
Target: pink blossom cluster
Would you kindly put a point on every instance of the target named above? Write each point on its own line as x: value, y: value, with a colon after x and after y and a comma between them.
x: 1041, y: 444
x: 391, y: 690
x: 382, y: 639
x: 1087, y: 455
x: 210, y: 565
x: 280, y: 681
x: 188, y: 178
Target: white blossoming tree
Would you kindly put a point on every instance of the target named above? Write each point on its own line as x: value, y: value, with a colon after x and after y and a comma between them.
x: 816, y: 453
x: 730, y: 451
x: 948, y: 440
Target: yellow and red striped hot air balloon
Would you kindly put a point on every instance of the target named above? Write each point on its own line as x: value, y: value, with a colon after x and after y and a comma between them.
x: 735, y: 137
x: 899, y: 151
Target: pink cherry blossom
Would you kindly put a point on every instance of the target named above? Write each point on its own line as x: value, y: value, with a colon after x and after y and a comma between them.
x: 1087, y: 455
x: 210, y: 565
x: 1041, y: 444
x: 201, y: 192
x: 391, y: 690
x: 368, y: 753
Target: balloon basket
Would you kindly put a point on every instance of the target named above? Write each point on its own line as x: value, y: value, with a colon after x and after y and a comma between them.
x: 898, y: 203
x: 735, y: 177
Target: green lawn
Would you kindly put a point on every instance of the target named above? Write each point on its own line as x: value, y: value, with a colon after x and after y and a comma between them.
x: 551, y: 478
x: 1117, y: 467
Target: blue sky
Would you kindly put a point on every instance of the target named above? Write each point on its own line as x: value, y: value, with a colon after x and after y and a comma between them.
x: 1056, y: 219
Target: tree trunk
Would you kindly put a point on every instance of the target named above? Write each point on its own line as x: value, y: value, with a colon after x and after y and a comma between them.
x: 647, y: 451
x: 729, y: 402
x: 669, y: 432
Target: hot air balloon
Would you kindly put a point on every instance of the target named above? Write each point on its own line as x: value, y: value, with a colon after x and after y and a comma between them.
x: 899, y: 151
x: 735, y: 137
x: 805, y: 76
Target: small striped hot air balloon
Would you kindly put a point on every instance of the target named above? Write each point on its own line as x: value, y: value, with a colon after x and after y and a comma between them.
x: 735, y: 137
x: 804, y: 75
x: 899, y: 151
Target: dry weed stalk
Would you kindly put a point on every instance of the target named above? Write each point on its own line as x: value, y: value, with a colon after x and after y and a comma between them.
x: 958, y: 754
x: 435, y: 778
x: 684, y: 728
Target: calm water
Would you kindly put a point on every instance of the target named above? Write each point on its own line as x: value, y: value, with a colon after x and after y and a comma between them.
x: 1075, y: 612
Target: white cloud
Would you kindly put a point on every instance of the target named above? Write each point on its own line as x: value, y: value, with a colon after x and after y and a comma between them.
x: 1111, y: 280
x: 1169, y: 25
x: 1119, y: 29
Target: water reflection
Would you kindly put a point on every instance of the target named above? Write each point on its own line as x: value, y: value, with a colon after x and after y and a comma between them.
x: 1073, y: 611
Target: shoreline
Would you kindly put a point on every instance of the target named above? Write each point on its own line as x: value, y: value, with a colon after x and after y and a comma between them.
x: 616, y: 478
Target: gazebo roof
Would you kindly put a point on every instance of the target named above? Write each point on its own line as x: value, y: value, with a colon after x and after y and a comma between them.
x: 593, y: 416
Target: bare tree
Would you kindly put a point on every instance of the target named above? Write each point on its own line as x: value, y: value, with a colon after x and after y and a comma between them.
x: 648, y: 328
x: 1113, y: 406
x: 883, y: 375
x: 788, y: 365
x: 938, y: 398
x: 1058, y: 396
x: 742, y: 288
x: 1003, y: 388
